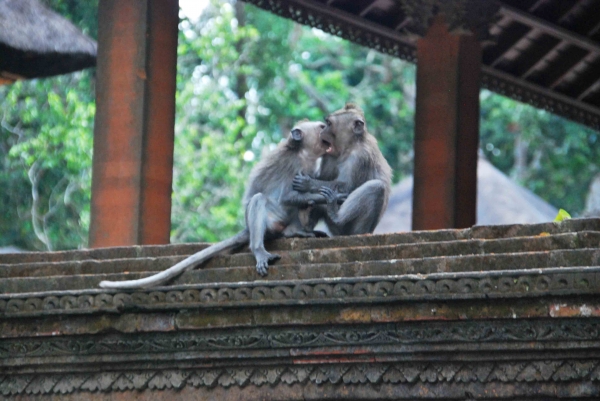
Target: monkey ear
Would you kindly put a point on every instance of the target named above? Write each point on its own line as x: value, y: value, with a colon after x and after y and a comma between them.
x: 359, y: 127
x: 296, y: 134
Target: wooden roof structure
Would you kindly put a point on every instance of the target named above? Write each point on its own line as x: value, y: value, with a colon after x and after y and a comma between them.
x: 542, y: 52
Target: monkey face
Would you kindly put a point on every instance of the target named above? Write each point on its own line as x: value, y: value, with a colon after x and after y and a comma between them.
x: 306, y: 133
x: 328, y: 135
x: 343, y: 128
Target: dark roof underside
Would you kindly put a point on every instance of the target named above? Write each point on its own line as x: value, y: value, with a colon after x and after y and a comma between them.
x: 542, y: 52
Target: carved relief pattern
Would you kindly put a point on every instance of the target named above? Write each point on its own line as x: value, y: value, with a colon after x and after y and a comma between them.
x: 355, y: 374
x: 538, y: 99
x: 461, y: 15
x: 355, y: 290
x: 384, y: 334
x: 338, y: 27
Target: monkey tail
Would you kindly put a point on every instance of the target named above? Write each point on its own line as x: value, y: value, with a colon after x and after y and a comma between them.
x: 241, y: 238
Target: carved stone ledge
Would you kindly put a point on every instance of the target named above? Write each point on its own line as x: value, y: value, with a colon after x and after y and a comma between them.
x: 508, y: 332
x: 439, y: 286
x: 427, y: 374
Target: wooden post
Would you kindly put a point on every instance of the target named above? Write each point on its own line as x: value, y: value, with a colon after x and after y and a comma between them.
x: 446, y: 129
x: 134, y: 125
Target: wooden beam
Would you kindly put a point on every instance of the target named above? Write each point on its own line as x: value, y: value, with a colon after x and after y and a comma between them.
x: 550, y: 28
x: 535, y: 56
x: 446, y: 129
x: 540, y: 90
x: 571, y: 8
x: 568, y: 64
x: 590, y: 89
x: 403, y: 23
x: 506, y: 42
x: 537, y: 5
x: 368, y: 8
x: 594, y: 30
x: 133, y: 133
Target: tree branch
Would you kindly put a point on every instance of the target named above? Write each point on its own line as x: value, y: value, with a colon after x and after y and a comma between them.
x: 35, y: 174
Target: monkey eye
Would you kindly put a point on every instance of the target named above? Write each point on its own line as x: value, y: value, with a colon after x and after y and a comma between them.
x: 328, y: 122
x: 359, y: 124
x: 322, y: 126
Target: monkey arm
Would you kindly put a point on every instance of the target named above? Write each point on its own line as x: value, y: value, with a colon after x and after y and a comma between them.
x: 301, y: 200
x: 332, y: 209
x: 305, y: 184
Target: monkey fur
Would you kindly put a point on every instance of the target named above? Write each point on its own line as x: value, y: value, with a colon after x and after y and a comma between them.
x: 273, y: 208
x: 353, y: 164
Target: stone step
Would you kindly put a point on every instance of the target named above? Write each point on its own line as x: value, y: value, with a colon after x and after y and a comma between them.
x: 579, y: 240
x: 378, y: 267
x: 295, y: 244
x: 384, y: 251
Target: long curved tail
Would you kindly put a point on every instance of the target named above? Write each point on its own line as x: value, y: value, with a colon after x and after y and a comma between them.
x: 241, y: 238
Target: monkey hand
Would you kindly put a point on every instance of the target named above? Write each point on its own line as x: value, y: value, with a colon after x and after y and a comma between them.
x: 329, y: 194
x: 341, y: 197
x: 301, y: 183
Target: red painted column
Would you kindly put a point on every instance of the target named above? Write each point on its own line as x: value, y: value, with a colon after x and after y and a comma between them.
x: 446, y: 129
x: 134, y: 125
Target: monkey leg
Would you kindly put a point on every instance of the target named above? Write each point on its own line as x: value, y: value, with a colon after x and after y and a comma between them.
x: 361, y: 211
x: 263, y: 217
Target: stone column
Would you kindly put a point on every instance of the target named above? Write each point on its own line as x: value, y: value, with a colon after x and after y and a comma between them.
x: 134, y: 126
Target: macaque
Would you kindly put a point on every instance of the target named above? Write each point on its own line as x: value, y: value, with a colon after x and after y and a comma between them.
x: 353, y: 164
x: 273, y: 208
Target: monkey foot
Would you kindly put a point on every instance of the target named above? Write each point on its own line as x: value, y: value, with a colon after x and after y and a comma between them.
x: 263, y: 260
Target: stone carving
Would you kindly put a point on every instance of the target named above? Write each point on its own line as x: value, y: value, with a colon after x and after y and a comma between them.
x: 372, y: 374
x: 381, y: 334
x: 442, y: 286
x: 472, y: 16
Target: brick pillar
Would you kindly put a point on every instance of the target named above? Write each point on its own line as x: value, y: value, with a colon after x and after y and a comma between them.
x: 134, y: 126
x: 446, y: 129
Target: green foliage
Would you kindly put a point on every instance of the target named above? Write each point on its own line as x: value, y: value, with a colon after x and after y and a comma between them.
x: 46, y: 143
x: 562, y: 215
x: 242, y: 86
x: 244, y: 78
x: 558, y: 158
x: 46, y: 150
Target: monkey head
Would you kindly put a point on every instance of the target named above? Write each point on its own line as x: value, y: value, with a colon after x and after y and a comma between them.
x: 343, y: 128
x: 305, y: 134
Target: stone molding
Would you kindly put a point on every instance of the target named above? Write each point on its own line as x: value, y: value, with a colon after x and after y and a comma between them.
x: 438, y: 286
x: 550, y: 372
x: 428, y: 333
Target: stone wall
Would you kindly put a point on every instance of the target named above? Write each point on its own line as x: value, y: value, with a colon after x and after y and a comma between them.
x: 491, y: 312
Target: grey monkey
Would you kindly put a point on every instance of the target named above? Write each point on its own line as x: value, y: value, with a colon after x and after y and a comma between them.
x: 353, y: 164
x: 273, y: 208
